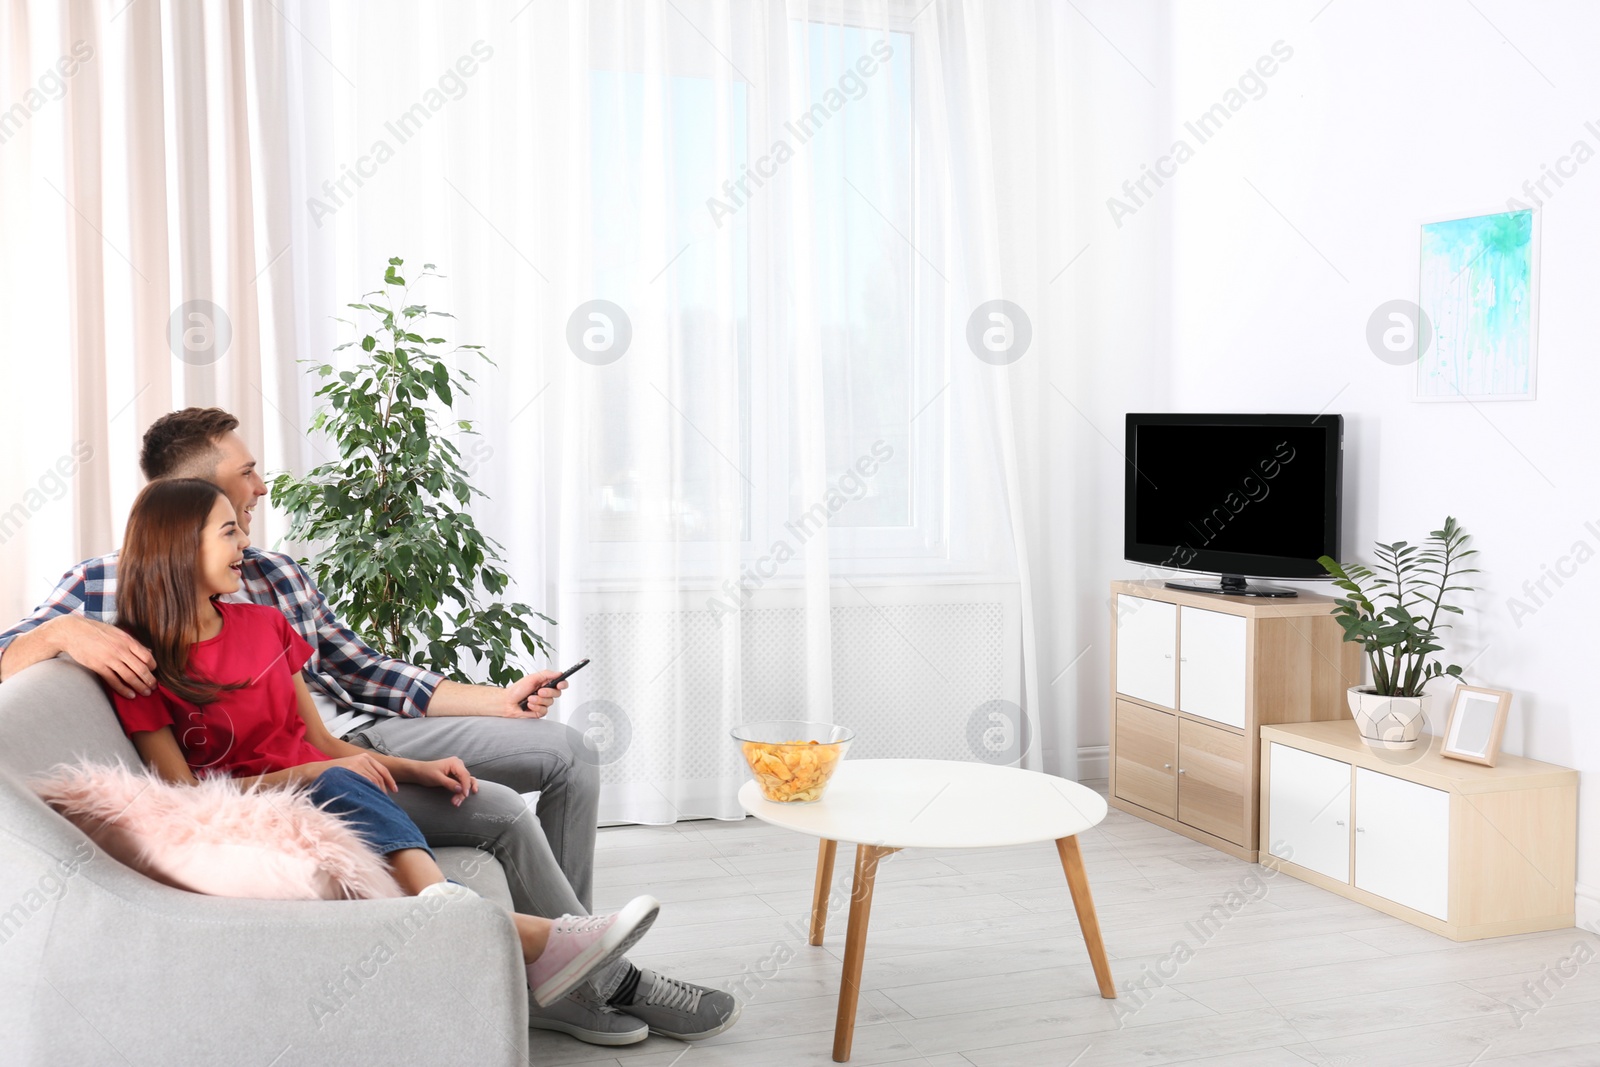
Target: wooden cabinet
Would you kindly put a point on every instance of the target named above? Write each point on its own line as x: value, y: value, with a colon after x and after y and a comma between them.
x: 1146, y: 750
x: 1182, y: 769
x: 1460, y: 849
x: 1194, y: 676
x: 1213, y: 785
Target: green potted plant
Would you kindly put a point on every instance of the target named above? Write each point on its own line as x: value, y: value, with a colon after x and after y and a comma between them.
x: 1393, y: 613
x: 400, y: 556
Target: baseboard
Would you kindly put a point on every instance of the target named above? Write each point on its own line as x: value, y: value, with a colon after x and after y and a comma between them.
x: 1588, y: 909
x: 1094, y: 761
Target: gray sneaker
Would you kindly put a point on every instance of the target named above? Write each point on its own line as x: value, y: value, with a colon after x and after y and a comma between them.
x: 586, y: 1019
x: 674, y: 1008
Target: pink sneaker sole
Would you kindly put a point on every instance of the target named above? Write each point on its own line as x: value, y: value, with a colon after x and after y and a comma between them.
x: 633, y: 922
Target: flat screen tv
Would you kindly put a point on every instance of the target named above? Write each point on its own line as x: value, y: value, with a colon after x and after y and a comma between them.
x: 1240, y: 496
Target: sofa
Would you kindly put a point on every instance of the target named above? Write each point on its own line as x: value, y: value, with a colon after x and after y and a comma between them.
x: 99, y: 964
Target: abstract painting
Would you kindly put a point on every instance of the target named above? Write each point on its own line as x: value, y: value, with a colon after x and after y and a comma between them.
x: 1479, y: 291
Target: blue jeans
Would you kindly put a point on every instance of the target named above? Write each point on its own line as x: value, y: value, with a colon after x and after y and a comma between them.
x: 367, y: 810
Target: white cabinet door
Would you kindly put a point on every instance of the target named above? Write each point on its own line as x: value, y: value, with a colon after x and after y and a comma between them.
x: 1308, y: 811
x: 1403, y: 842
x: 1147, y: 639
x: 1211, y: 671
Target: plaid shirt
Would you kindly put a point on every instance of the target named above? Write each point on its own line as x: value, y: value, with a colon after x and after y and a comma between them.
x: 342, y: 666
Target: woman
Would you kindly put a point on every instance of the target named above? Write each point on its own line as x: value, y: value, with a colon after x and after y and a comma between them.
x: 230, y: 700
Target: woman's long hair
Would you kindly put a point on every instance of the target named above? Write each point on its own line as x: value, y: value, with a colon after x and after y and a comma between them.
x: 157, y: 598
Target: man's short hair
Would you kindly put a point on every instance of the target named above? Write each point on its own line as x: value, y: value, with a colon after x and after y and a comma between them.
x: 184, y: 443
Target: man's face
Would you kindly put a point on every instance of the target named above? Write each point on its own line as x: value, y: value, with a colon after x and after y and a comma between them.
x: 236, y: 476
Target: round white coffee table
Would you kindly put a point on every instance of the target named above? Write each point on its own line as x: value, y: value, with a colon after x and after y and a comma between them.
x: 885, y: 805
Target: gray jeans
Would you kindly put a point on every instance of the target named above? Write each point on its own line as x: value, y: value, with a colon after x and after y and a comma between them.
x: 529, y: 755
x: 548, y: 861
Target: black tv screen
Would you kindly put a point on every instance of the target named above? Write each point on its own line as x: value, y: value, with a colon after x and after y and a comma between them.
x: 1237, y: 495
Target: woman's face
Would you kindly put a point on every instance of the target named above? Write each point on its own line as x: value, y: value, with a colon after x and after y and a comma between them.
x: 222, y: 546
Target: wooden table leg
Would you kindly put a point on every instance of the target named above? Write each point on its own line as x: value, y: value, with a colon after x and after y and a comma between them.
x: 855, y: 947
x: 1078, y: 883
x: 819, y: 899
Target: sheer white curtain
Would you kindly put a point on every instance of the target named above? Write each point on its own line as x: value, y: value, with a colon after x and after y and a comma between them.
x: 756, y: 432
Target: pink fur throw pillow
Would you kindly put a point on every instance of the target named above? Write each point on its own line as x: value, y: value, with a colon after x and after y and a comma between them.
x: 216, y: 838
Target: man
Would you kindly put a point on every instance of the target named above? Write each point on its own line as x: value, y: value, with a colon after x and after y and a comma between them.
x: 403, y: 710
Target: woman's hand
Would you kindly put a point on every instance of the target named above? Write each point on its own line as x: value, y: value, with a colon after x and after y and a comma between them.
x: 449, y: 773
x: 367, y: 765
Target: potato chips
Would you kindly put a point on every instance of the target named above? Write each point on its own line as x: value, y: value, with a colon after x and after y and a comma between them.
x: 793, y: 771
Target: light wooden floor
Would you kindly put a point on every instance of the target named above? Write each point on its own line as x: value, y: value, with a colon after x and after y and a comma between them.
x: 975, y: 961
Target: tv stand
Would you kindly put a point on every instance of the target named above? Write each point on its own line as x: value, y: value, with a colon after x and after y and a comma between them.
x: 1193, y: 678
x: 1235, y: 585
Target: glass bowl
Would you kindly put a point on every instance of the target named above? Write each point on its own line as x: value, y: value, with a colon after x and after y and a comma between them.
x: 790, y: 759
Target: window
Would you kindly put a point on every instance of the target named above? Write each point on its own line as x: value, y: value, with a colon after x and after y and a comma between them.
x: 640, y: 494
x: 861, y: 180
x: 711, y: 450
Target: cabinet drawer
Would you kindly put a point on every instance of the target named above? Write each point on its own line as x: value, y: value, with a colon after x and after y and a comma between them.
x: 1213, y: 780
x: 1308, y: 810
x: 1211, y: 667
x: 1147, y: 745
x: 1147, y: 640
x: 1403, y: 842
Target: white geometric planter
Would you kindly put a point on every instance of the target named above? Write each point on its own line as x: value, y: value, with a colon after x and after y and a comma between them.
x: 1386, y: 722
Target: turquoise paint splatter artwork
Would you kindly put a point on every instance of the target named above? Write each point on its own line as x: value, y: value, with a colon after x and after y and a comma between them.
x: 1479, y: 292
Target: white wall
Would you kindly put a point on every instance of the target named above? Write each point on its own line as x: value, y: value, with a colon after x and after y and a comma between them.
x: 1296, y: 220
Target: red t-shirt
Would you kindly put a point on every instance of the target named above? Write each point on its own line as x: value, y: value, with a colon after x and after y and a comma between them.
x: 253, y: 730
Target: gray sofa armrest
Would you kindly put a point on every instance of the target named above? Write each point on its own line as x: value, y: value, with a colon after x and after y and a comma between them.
x: 99, y: 964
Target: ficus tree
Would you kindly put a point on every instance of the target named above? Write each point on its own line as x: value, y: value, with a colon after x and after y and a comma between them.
x: 399, y: 556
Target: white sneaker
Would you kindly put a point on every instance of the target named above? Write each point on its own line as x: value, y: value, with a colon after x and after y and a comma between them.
x: 447, y: 889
